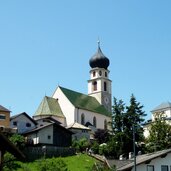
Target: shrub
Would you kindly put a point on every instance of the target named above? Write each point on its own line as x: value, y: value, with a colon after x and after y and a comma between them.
x: 8, y: 162
x: 53, y: 164
x: 95, y: 148
x: 80, y: 145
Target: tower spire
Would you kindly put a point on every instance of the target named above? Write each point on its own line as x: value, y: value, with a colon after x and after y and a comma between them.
x: 98, y: 41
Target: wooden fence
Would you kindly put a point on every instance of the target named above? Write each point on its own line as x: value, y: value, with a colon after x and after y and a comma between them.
x: 33, y: 153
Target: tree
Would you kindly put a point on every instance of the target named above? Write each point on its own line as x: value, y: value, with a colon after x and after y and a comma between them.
x: 9, y: 159
x: 118, y: 138
x: 117, y: 116
x: 81, y: 144
x: 123, y: 120
x: 18, y: 140
x: 134, y: 117
x: 159, y: 134
x: 101, y: 135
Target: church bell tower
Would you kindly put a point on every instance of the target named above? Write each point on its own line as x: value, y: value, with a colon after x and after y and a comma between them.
x: 99, y: 85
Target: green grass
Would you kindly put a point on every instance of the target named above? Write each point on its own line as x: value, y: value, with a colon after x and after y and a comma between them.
x: 80, y: 162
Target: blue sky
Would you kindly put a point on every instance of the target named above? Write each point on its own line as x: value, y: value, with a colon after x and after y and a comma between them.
x: 44, y: 44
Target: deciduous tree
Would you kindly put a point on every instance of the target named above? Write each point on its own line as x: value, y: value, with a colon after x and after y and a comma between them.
x: 159, y: 134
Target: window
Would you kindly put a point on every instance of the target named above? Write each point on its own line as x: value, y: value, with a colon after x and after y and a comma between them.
x: 49, y: 137
x: 28, y: 124
x: 150, y: 168
x: 164, y: 168
x: 85, y: 131
x: 105, y: 86
x: 82, y: 119
x: 105, y: 74
x: 94, y: 73
x: 105, y: 124
x: 94, y: 86
x: 100, y: 73
x: 15, y: 123
x: 94, y: 121
x: 2, y: 117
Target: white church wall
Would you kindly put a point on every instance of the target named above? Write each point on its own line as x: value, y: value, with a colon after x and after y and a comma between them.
x: 67, y: 108
x: 89, y: 118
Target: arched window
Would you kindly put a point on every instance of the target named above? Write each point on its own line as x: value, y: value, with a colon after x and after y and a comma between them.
x: 82, y: 119
x: 94, y: 121
x: 105, y: 86
x: 94, y: 86
x: 105, y: 124
x: 105, y: 74
x: 94, y: 73
x: 100, y: 73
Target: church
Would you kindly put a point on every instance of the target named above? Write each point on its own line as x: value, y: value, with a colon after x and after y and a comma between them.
x: 92, y: 109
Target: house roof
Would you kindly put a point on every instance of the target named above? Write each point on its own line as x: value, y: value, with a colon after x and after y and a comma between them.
x: 38, y: 128
x: 25, y: 114
x: 44, y: 126
x: 76, y: 125
x: 3, y: 109
x: 124, y: 165
x: 49, y: 119
x: 6, y: 145
x: 85, y: 102
x: 49, y: 106
x: 162, y: 106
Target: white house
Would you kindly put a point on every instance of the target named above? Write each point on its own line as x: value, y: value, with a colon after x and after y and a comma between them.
x: 157, y: 161
x: 79, y: 131
x: 164, y: 109
x: 22, y: 122
x: 49, y: 134
x: 71, y: 107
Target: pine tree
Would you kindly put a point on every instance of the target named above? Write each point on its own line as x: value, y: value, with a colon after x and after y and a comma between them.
x: 123, y: 120
x: 118, y: 138
x: 133, y: 118
x: 117, y: 115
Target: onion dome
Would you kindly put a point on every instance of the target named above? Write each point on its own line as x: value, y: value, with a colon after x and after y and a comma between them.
x: 99, y: 59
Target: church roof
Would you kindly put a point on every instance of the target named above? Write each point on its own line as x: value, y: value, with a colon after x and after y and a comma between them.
x: 85, y: 102
x: 162, y: 106
x: 49, y: 106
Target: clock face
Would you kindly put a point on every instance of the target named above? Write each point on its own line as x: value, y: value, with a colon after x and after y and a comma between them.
x: 106, y: 100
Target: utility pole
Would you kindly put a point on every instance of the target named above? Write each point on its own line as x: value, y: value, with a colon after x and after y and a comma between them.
x: 134, y: 147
